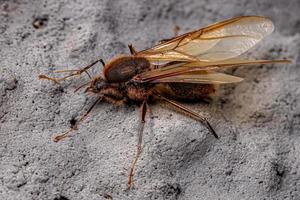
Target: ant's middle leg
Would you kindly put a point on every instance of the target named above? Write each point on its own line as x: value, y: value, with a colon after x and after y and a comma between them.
x: 139, y: 145
x: 76, y: 72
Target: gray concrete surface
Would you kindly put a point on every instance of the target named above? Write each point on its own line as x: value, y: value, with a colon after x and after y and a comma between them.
x: 258, y: 120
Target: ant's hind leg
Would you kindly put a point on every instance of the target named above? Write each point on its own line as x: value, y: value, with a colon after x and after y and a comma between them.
x: 76, y: 123
x: 76, y: 72
x: 191, y: 114
x: 139, y: 145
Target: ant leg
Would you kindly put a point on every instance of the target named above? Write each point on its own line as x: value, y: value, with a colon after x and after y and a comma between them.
x: 75, y: 125
x: 80, y: 71
x: 139, y: 145
x: 191, y: 114
x: 132, y: 50
x: 76, y: 72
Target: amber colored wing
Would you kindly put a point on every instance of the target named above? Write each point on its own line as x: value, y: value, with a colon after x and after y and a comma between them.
x: 178, y: 71
x: 220, y: 41
x: 201, y: 77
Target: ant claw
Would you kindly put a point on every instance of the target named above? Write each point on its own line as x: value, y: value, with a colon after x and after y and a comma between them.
x: 58, y: 138
x: 62, y: 136
x: 41, y: 76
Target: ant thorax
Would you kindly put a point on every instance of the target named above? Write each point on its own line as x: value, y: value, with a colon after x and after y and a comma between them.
x: 138, y: 91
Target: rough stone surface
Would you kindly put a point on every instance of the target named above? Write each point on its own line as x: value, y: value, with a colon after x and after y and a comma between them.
x: 258, y: 120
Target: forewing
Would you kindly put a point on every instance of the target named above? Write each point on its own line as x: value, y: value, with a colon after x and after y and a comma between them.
x: 203, y: 77
x: 220, y: 41
x: 184, y: 68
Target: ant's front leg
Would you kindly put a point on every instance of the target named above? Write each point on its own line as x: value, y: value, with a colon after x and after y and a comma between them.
x: 76, y: 122
x: 74, y: 72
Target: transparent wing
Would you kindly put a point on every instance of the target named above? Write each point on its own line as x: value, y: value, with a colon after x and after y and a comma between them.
x: 203, y: 77
x: 180, y: 68
x: 220, y: 41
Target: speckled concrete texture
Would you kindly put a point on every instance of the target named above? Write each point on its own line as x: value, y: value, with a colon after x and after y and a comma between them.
x: 258, y: 120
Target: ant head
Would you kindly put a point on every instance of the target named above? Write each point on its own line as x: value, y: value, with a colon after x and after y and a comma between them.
x: 96, y: 85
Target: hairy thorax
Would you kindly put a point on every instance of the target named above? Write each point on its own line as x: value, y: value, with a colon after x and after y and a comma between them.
x: 138, y: 91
